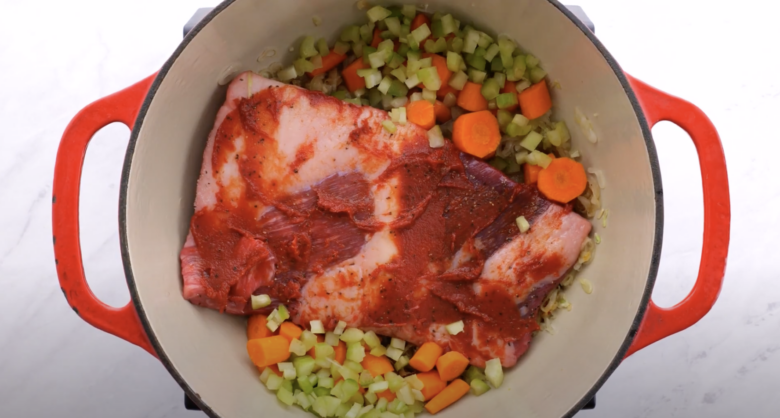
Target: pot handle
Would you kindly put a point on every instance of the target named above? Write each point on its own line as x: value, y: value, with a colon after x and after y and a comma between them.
x: 660, y: 323
x: 122, y: 107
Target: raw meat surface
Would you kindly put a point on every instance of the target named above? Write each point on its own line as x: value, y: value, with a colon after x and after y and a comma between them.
x: 308, y: 199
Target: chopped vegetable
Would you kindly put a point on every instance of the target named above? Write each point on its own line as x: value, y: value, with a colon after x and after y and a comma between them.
x: 442, y: 68
x: 442, y: 112
x: 531, y: 141
x: 356, y: 352
x: 476, y: 133
x: 340, y: 327
x: 458, y: 81
x: 451, y: 365
x: 470, y: 98
x: 587, y: 286
x: 448, y: 396
x: 478, y: 387
x: 425, y: 357
x: 490, y: 89
x: 340, y: 352
x: 371, y: 339
x: 535, y: 101
x: 421, y: 113
x: 432, y: 384
x: 317, y: 327
x: 435, y: 137
x: 389, y: 126
x: 287, y: 74
x: 562, y: 180
x: 352, y: 335
x: 377, y: 366
x: 506, y: 100
x: 397, y: 343
x: 267, y: 351
x: 394, y: 353
x: 420, y: 20
x: 522, y: 224
x: 494, y: 372
x: 256, y: 327
x: 260, y: 301
x: 290, y: 331
x: 455, y: 327
x: 473, y: 373
x: 377, y: 13
x: 353, y: 81
x: 297, y: 347
x: 510, y: 87
x: 329, y: 62
x: 402, y: 362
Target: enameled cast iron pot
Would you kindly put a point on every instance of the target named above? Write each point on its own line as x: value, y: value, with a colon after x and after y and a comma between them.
x: 171, y: 113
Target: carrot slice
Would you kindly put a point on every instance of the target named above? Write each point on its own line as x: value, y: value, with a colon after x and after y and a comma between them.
x: 535, y: 100
x: 433, y: 384
x: 510, y: 87
x: 329, y: 62
x: 341, y: 352
x: 471, y: 98
x: 290, y: 331
x: 320, y: 339
x: 351, y: 78
x: 441, y: 67
x: 531, y: 173
x: 418, y: 21
x: 425, y: 357
x: 446, y: 88
x: 256, y: 327
x: 390, y: 396
x: 267, y: 351
x: 451, y: 365
x: 448, y: 396
x: 443, y: 113
x: 377, y: 366
x: 476, y: 133
x: 421, y: 113
x: 377, y: 38
x: 563, y: 180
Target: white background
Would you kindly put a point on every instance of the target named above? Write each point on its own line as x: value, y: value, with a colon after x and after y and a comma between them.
x: 56, y: 57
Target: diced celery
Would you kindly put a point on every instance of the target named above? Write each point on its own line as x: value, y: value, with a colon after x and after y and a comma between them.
x: 317, y: 327
x: 409, y: 10
x: 371, y: 398
x: 367, y: 33
x: 379, y: 379
x: 307, y: 48
x: 399, y: 73
x: 379, y: 350
x: 414, y: 382
x: 342, y: 409
x: 365, y: 378
x: 539, y: 158
x: 425, y: 62
x: 448, y: 24
x: 396, y: 406
x: 395, y: 61
x: 435, y: 140
x: 394, y: 353
x: 357, y: 48
x: 313, y: 379
x: 531, y: 141
x: 531, y: 61
x: 537, y: 74
x: 491, y: 52
x: 455, y: 44
x: 505, y: 48
x: 316, y: 61
x: 350, y: 34
x: 399, y: 103
x: 398, y: 115
x: 435, y: 47
x: 287, y: 74
x: 430, y: 78
x: 402, y: 362
x: 477, y: 76
x: 517, y: 70
x: 353, y: 412
x: 455, y: 328
x: 498, y: 163
x: 490, y: 89
x: 504, y: 118
x: 378, y: 387
x: 288, y: 370
x: 349, y: 388
x: 355, y: 351
x: 403, y: 49
x: 384, y: 85
x: 367, y: 50
x: 387, y: 46
x: 377, y: 59
x: 478, y: 387
x: 397, y: 89
x: 429, y: 95
x: 331, y: 339
x: 341, y: 48
x: 522, y: 85
x: 470, y: 41
x: 331, y: 405
x: 374, y: 97
x: 274, y: 382
x: 480, y: 52
x: 413, y: 98
x: 421, y: 33
x: 417, y: 408
x: 285, y: 396
x: 265, y: 374
x: 389, y: 126
x: 323, y: 350
x: 387, y: 102
x: 260, y: 301
x: 554, y: 137
x: 458, y: 80
x: 496, y: 65
x: 484, y: 40
x: 297, y: 347
x: 494, y: 372
x: 437, y: 30
x: 272, y: 325
x: 418, y: 396
x: 381, y: 405
x: 405, y: 395
x: 414, y: 45
x: 520, y: 120
x: 521, y: 157
x: 305, y: 385
x: 506, y: 100
x: 325, y: 382
x: 453, y: 61
x: 336, y: 391
x: 377, y: 13
x: 341, y: 326
x: 394, y: 381
x: 476, y: 61
x: 394, y: 26
x: 302, y: 400
x: 523, y: 225
x: 321, y: 391
x: 372, y: 77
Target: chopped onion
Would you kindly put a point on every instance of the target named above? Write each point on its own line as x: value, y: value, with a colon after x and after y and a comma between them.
x: 574, y: 153
x: 587, y: 286
x: 317, y: 327
x: 599, y: 177
x: 585, y: 125
x: 523, y: 224
x: 260, y: 301
x: 455, y: 328
x: 494, y: 372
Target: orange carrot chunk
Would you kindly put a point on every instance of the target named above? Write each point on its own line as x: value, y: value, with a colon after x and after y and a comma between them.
x: 531, y: 173
x: 390, y: 396
x: 256, y: 327
x: 535, y: 100
x: 267, y: 351
x: 443, y: 113
x: 471, y: 98
x: 433, y: 384
x: 441, y: 67
x: 320, y: 339
x: 377, y: 366
x: 563, y: 180
x: 448, y: 396
x: 329, y: 62
x: 377, y: 38
x: 425, y: 357
x: 418, y: 21
x: 451, y: 365
x: 510, y: 87
x: 476, y: 133
x: 290, y: 331
x: 351, y: 78
x: 341, y: 352
x: 421, y: 113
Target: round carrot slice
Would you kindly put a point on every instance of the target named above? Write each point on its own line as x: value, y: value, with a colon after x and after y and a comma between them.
x: 563, y: 180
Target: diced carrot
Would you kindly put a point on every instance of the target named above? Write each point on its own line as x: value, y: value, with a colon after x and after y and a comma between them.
x: 377, y: 366
x: 444, y: 89
x: 273, y: 368
x: 341, y: 352
x: 451, y: 365
x: 351, y: 78
x: 563, y: 180
x: 320, y: 339
x: 418, y: 21
x: 329, y: 62
x: 377, y: 38
x: 535, y: 100
x: 425, y: 357
x: 471, y: 98
x: 269, y: 350
x: 433, y: 383
x: 441, y: 67
x: 390, y: 396
x: 256, y: 327
x: 531, y: 173
x: 448, y: 396
x: 290, y: 331
x: 443, y: 113
x: 510, y: 87
x: 476, y: 133
x: 421, y: 113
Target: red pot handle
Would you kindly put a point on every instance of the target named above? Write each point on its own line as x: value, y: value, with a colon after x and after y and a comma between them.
x: 659, y: 322
x: 122, y: 107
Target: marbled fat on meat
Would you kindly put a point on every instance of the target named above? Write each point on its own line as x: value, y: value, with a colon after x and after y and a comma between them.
x: 308, y: 199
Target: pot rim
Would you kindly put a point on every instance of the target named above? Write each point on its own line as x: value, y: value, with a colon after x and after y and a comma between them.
x: 646, y: 133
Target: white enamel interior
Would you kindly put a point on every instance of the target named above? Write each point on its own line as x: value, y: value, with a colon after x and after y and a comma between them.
x: 208, y: 349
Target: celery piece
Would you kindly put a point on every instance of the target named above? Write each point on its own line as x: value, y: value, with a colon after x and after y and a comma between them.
x: 409, y: 10
x: 381, y: 405
x: 402, y: 362
x: 386, y: 46
x: 539, y: 158
x: 478, y: 386
x: 396, y: 406
x: 518, y: 66
x: 389, y: 126
x: 316, y: 325
x: 421, y: 33
x: 563, y: 130
x: 506, y: 100
x: 374, y: 97
x: 477, y: 76
x: 453, y: 61
x: 371, y: 339
x: 378, y: 387
x: 349, y: 388
x: 341, y: 326
x: 455, y: 45
x: 414, y: 382
x: 458, y: 80
x: 430, y: 78
x: 316, y: 61
x: 490, y: 89
x: 350, y: 34
x: 302, y: 400
x: 305, y: 385
x: 371, y: 398
x: 494, y: 372
x: 414, y: 45
x: 353, y: 412
x: 504, y: 117
x: 325, y: 382
x: 524, y: 226
x: 323, y: 350
x: 405, y: 31
x: 484, y: 40
x: 554, y: 137
x: 520, y: 120
x: 521, y: 157
x: 274, y: 382
x: 531, y: 61
x: 394, y: 26
x: 260, y: 301
x: 399, y: 73
x: 265, y: 374
x: 286, y: 74
x: 437, y: 30
x: 403, y: 49
x: 307, y: 48
x: 473, y: 373
x: 341, y: 48
x: 297, y: 347
x: 357, y: 48
x: 435, y: 137
x: 537, y: 74
x: 429, y: 95
x: 514, y: 130
x: 284, y: 314
x: 285, y: 396
x: 470, y: 41
x: 380, y: 350
x: 522, y: 85
x: 377, y: 59
x: 395, y: 61
x: 308, y: 339
x: 425, y: 62
x: 448, y: 25
x: 367, y: 32
x: 365, y: 378
x: 367, y: 50
x: 384, y: 86
x: 496, y: 65
x: 500, y: 78
x: 455, y: 328
x: 405, y: 395
x: 505, y: 48
x: 377, y: 13
x: 498, y: 163
x: 531, y: 141
x: 355, y: 351
x: 480, y: 52
x: 397, y: 89
x: 287, y: 384
x: 435, y: 47
x: 491, y: 52
x: 395, y: 11
x: 394, y: 381
x: 476, y: 61
x: 331, y: 338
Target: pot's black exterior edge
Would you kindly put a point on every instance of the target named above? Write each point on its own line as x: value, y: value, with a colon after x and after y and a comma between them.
x: 654, y: 261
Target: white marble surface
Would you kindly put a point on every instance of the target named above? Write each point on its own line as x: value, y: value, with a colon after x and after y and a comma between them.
x: 55, y: 57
